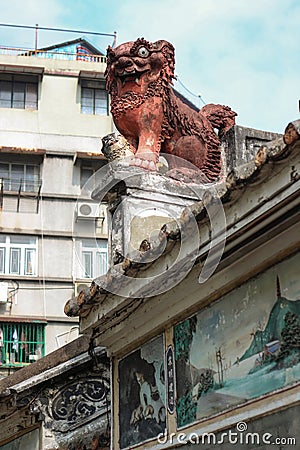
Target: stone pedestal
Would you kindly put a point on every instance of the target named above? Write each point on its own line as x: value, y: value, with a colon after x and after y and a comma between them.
x: 139, y: 204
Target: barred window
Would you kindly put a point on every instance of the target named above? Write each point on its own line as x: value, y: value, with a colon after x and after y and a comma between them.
x: 21, y: 343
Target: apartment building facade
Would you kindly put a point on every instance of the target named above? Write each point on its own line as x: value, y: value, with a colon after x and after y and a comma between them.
x: 54, y: 109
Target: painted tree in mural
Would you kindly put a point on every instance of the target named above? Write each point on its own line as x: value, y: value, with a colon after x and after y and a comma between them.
x: 219, y: 360
x: 289, y: 354
x: 206, y: 382
x: 183, y: 337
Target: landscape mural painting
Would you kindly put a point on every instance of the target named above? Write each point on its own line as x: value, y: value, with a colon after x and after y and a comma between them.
x: 142, y: 394
x: 243, y: 346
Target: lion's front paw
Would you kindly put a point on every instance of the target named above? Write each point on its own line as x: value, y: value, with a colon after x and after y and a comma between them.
x: 144, y: 161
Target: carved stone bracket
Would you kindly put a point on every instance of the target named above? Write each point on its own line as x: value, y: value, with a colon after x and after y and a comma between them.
x: 74, y: 404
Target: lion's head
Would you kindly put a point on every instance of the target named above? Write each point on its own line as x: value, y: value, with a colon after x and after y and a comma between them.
x: 132, y: 66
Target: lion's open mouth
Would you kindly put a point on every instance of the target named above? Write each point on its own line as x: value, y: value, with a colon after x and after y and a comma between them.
x: 126, y: 77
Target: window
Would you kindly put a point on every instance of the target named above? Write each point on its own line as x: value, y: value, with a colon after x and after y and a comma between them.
x: 86, y: 173
x: 94, y: 258
x: 21, y: 343
x: 18, y: 255
x: 15, y: 176
x: 87, y: 170
x: 18, y: 91
x: 94, y: 98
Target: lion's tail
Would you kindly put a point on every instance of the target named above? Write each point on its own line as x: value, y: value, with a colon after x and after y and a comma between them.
x: 220, y: 116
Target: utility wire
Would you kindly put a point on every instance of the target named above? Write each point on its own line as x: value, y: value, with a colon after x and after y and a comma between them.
x: 56, y: 29
x: 190, y: 92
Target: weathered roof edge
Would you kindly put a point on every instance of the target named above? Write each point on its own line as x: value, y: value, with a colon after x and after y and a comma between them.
x: 48, y: 362
x: 243, y: 175
x: 56, y: 370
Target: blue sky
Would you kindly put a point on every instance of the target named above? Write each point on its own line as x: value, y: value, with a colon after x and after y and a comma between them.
x: 241, y: 53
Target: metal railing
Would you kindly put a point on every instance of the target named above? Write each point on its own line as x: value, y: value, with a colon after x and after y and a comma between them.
x: 25, y: 184
x: 79, y: 56
x: 23, y: 187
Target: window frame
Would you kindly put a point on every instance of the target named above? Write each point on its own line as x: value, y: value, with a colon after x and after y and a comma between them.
x: 8, y: 247
x: 98, y: 106
x: 29, y: 179
x: 19, y: 89
x: 86, y: 172
x: 89, y: 169
x: 97, y: 249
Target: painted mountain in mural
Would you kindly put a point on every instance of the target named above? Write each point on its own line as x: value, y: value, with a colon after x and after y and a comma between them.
x: 272, y: 331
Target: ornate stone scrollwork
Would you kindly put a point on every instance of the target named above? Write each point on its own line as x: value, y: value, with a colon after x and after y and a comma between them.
x: 78, y: 402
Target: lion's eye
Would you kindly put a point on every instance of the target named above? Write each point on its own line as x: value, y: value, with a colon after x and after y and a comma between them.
x: 143, y: 52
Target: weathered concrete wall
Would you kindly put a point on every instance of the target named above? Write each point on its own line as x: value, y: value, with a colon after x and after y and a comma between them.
x: 242, y: 143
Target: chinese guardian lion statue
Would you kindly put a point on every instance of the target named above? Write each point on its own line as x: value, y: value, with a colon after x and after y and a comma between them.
x: 152, y: 116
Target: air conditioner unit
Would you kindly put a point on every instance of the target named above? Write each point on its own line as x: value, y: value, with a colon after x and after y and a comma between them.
x: 3, y: 292
x: 87, y: 210
x: 80, y: 286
